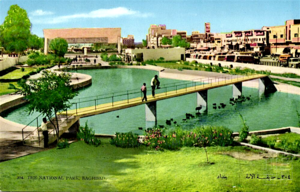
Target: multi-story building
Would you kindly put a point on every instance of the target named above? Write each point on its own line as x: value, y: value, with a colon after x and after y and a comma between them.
x: 157, y: 32
x: 285, y: 38
x: 249, y: 40
x: 128, y: 41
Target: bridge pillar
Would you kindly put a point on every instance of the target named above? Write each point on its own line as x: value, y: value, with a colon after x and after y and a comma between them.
x: 150, y: 109
x: 202, y: 100
x: 85, y: 51
x: 237, y: 90
x: 266, y: 85
x: 46, y: 42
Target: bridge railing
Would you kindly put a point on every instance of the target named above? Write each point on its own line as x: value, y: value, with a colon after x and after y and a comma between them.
x: 38, y: 120
x: 113, y: 99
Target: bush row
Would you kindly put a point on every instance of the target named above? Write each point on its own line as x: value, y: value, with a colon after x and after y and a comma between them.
x: 161, y: 139
x: 125, y: 140
x: 36, y: 58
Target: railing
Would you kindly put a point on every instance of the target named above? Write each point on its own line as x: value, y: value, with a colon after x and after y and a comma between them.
x: 32, y: 132
x: 24, y: 137
x: 130, y: 94
x: 127, y: 95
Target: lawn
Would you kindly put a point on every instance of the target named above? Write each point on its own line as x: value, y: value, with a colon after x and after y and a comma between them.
x: 4, y: 88
x: 289, y: 142
x: 141, y: 169
x: 18, y: 73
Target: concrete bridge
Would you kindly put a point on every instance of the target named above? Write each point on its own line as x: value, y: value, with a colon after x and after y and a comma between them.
x: 200, y: 87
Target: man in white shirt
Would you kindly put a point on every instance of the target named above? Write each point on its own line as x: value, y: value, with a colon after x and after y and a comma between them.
x: 45, y: 132
x: 154, y: 83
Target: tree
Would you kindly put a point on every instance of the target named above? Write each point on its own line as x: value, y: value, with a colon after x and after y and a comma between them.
x: 16, y: 30
x: 145, y: 43
x: 178, y: 42
x: 48, y: 95
x: 59, y: 46
x: 35, y: 42
x: 166, y: 41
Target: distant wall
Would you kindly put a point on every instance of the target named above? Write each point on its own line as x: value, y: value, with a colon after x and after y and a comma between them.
x: 167, y: 54
x: 11, y: 61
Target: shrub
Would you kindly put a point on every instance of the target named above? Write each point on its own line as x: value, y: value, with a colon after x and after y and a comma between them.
x: 33, y: 55
x: 104, y: 56
x: 271, y: 143
x: 114, y: 57
x: 194, y: 62
x: 213, y: 136
x: 245, y: 129
x: 255, y: 139
x: 161, y: 59
x: 63, y: 144
x: 125, y: 140
x: 22, y: 69
x: 186, y: 63
x: 87, y: 135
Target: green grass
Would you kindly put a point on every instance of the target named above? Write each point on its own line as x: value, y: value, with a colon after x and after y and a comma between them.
x: 4, y: 88
x: 287, y: 142
x: 142, y: 169
x: 294, y: 83
x: 288, y: 75
x: 18, y: 73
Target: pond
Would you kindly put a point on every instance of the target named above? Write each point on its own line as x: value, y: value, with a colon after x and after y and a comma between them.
x: 266, y: 112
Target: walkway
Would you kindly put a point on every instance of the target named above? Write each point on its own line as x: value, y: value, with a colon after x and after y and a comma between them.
x: 192, y: 88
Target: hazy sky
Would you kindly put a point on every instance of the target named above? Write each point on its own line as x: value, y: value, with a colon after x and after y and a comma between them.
x: 135, y: 16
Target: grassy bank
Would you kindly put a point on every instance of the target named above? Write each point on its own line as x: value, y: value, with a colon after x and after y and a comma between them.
x: 294, y: 83
x: 4, y: 88
x: 18, y: 73
x: 143, y: 169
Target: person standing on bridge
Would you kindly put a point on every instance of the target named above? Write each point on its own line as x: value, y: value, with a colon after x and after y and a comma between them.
x: 45, y: 131
x: 154, y: 83
x: 144, y: 90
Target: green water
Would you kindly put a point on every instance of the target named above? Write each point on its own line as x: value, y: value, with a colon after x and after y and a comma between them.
x: 272, y: 111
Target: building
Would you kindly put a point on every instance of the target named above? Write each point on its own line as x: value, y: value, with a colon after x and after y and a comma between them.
x: 285, y: 38
x: 249, y: 40
x: 157, y: 32
x: 128, y: 41
x: 154, y: 54
x: 84, y: 36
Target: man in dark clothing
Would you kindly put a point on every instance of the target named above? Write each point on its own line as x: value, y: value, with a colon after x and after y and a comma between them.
x: 144, y: 90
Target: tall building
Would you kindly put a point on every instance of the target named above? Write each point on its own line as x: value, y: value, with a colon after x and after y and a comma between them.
x: 285, y: 38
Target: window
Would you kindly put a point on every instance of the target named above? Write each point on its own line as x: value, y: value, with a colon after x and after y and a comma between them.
x: 295, y: 35
x: 274, y: 36
x: 281, y: 36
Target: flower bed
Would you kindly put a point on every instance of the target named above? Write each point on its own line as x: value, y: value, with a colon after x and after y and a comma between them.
x: 174, y: 139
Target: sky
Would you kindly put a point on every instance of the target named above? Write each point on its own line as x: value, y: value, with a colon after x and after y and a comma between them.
x: 134, y: 17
